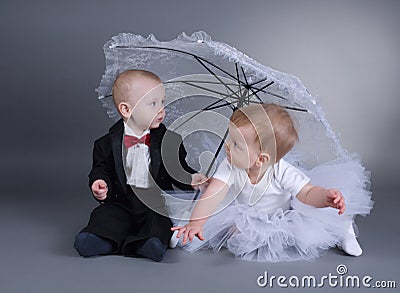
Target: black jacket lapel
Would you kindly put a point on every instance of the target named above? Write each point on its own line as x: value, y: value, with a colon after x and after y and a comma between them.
x: 116, y: 133
x: 156, y: 136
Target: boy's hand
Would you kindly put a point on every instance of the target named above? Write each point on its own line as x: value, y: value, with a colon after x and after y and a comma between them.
x: 190, y: 230
x: 199, y: 181
x: 99, y: 189
x: 335, y: 199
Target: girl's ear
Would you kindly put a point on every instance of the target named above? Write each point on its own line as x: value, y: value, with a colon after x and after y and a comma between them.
x: 263, y: 158
x: 125, y: 110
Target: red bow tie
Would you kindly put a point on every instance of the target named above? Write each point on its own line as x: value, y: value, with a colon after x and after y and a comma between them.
x: 130, y: 141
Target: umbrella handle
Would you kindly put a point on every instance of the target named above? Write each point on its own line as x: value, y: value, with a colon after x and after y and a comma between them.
x: 213, y: 160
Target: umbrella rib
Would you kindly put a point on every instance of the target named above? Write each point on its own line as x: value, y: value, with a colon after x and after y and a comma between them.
x: 283, y: 98
x: 198, y: 81
x: 183, y: 52
x: 237, y: 77
x: 286, y: 107
x: 219, y: 68
x: 295, y: 109
x: 219, y: 106
x: 199, y: 111
x: 275, y: 95
x: 216, y: 76
x: 213, y: 91
x: 260, y: 89
x: 189, y: 83
x: 261, y: 80
x: 249, y: 87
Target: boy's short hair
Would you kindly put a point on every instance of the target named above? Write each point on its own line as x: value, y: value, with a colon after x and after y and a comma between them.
x: 263, y: 117
x: 123, y: 84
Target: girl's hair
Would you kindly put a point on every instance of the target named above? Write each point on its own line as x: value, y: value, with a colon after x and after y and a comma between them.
x: 275, y: 131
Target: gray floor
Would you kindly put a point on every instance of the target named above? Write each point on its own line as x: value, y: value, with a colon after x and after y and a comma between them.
x: 37, y: 256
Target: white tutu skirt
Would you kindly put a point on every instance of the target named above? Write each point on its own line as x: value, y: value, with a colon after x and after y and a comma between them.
x: 300, y: 233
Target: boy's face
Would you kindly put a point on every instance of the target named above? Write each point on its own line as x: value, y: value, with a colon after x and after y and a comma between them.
x: 243, y: 149
x: 147, y: 104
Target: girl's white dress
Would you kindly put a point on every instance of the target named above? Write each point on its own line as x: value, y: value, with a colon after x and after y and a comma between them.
x: 266, y: 222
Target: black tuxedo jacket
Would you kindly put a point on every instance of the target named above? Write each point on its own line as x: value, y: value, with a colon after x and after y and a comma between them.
x: 124, y: 216
x: 168, y: 166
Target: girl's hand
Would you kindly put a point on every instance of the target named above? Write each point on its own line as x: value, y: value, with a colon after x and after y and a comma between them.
x: 190, y: 230
x: 335, y: 199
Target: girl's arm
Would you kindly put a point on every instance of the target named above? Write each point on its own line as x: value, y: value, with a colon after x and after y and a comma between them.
x: 208, y: 202
x: 321, y: 198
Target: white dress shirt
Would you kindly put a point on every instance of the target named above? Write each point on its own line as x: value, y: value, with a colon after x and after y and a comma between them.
x: 280, y: 183
x: 136, y: 160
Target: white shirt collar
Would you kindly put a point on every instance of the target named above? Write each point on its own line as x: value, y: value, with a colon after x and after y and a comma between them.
x: 129, y: 131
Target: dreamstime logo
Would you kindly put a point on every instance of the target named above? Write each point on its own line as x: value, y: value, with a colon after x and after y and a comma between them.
x: 341, y: 269
x: 340, y: 280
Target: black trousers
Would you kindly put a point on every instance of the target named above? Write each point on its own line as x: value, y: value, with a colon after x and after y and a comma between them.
x: 127, y: 223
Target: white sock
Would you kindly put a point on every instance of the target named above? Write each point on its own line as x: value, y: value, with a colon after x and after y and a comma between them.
x: 350, y: 244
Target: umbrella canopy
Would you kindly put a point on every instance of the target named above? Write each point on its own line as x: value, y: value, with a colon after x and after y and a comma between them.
x: 205, y: 81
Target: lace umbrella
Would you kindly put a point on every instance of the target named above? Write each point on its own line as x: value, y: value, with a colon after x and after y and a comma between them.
x: 205, y: 81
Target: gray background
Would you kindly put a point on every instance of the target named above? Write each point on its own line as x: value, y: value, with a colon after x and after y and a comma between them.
x: 345, y: 52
